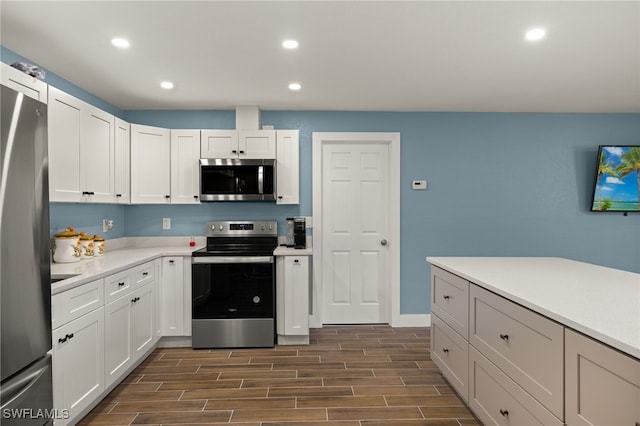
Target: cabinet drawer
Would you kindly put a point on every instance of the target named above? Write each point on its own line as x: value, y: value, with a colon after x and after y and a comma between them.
x: 77, y: 301
x: 526, y: 346
x: 450, y: 352
x: 143, y: 274
x: 450, y: 299
x: 498, y: 400
x: 117, y: 285
x: 603, y: 385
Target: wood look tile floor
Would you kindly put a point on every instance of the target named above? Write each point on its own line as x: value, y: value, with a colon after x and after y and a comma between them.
x: 368, y: 375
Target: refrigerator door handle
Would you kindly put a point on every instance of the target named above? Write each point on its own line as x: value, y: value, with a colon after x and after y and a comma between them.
x: 13, y: 391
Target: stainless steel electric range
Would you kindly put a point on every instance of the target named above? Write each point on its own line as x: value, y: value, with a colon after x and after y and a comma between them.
x: 233, y: 286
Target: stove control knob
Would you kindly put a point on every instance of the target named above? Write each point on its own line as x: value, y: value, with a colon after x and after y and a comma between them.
x: 262, y: 228
x: 270, y: 227
x: 221, y: 227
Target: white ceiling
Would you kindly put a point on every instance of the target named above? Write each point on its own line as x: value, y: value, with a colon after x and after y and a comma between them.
x: 353, y: 55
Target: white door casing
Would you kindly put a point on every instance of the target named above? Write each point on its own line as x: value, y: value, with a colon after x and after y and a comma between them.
x: 356, y: 205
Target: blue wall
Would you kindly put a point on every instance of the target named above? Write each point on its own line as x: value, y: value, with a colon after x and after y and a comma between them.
x: 500, y: 184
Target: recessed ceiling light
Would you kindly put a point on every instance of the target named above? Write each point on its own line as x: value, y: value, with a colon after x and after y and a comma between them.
x: 290, y: 44
x: 535, y: 34
x: 120, y: 42
x: 166, y: 85
x: 295, y: 86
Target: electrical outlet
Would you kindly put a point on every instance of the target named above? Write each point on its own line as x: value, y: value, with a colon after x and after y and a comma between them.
x: 107, y: 225
x: 166, y: 223
x: 308, y: 220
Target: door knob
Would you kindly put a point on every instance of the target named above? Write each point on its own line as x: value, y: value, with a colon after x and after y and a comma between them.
x: 383, y: 242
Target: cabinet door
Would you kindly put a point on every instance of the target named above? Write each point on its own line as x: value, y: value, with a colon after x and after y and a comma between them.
x: 65, y: 114
x: 150, y: 165
x: 23, y: 83
x: 296, y: 295
x: 185, y: 166
x: 219, y: 144
x: 256, y: 144
x: 602, y: 384
x: 78, y: 363
x: 142, y: 320
x: 171, y: 296
x: 118, y: 339
x: 97, y: 164
x: 122, y: 162
x: 287, y: 167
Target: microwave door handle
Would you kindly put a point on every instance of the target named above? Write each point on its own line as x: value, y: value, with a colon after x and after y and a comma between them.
x: 260, y: 179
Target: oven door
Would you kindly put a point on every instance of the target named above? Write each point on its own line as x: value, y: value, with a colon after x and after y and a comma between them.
x: 227, y: 287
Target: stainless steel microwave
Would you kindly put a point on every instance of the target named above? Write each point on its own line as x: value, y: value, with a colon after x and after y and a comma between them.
x: 223, y: 179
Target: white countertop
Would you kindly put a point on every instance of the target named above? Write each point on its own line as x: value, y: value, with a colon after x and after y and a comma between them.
x: 290, y: 251
x: 111, y: 262
x: 601, y: 302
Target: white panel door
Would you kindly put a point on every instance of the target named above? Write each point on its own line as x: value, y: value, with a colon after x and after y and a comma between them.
x: 122, y: 159
x: 185, y: 166
x: 150, y: 165
x: 97, y: 163
x: 355, y: 223
x: 219, y: 144
x: 65, y: 114
x: 117, y: 335
x: 256, y: 144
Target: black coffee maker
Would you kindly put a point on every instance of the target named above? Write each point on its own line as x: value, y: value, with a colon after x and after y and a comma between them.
x: 296, y: 232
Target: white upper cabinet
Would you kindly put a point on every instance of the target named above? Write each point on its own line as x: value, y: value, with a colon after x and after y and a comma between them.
x: 97, y: 156
x: 185, y: 155
x: 81, y: 151
x: 238, y: 144
x: 24, y: 83
x: 150, y: 165
x: 287, y: 167
x: 65, y: 113
x: 123, y: 162
x: 256, y: 144
x: 219, y: 144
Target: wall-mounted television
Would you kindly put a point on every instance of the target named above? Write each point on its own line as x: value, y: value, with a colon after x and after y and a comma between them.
x: 617, y: 183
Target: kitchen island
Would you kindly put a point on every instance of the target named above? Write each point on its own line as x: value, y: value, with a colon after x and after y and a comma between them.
x: 538, y: 340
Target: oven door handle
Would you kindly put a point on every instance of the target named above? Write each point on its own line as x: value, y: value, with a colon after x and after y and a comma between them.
x: 232, y: 259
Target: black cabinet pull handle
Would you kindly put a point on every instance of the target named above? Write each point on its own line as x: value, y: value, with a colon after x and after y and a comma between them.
x: 195, y: 196
x: 118, y: 195
x: 62, y: 340
x: 241, y: 152
x: 296, y: 260
x: 167, y: 196
x: 280, y: 197
x: 85, y: 193
x: 234, y: 151
x: 504, y: 337
x: 135, y: 299
x: 505, y: 413
x: 70, y: 336
x: 171, y: 261
x: 120, y: 284
x: 446, y: 297
x: 144, y: 274
x: 445, y: 350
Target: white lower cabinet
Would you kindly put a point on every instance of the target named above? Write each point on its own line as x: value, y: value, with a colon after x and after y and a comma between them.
x: 450, y: 352
x: 498, y: 400
x: 142, y: 320
x: 78, y: 364
x: 117, y: 335
x: 172, y: 296
x: 292, y: 299
x: 602, y: 384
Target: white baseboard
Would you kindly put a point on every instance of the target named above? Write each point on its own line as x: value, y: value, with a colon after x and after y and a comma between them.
x: 408, y: 320
x: 413, y: 320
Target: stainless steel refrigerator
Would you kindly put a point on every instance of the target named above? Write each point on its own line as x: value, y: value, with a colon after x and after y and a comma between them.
x: 25, y: 285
